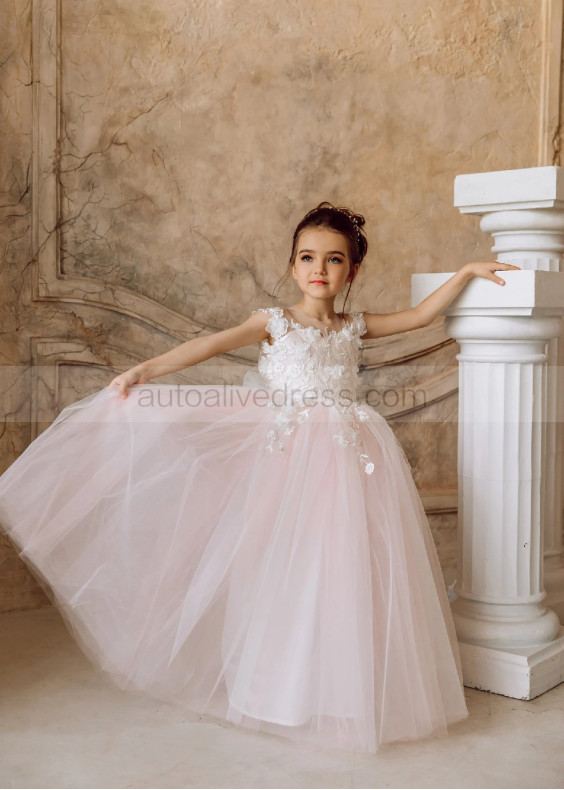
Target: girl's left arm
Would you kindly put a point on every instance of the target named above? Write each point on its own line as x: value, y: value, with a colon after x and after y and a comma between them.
x: 381, y: 325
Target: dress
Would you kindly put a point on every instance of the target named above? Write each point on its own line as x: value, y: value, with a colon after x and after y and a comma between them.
x: 257, y: 553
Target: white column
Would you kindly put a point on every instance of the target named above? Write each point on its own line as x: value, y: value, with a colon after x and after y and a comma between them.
x: 524, y: 212
x: 502, y: 369
x: 510, y: 641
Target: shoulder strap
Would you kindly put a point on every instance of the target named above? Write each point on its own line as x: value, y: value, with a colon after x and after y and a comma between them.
x: 277, y: 324
x: 359, y: 323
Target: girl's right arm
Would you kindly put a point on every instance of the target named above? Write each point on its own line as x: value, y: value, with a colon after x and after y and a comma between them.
x: 253, y: 330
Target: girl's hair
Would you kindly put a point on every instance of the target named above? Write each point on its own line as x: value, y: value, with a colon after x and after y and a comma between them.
x: 341, y: 220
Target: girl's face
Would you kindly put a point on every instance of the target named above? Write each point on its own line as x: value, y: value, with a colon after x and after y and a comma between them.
x: 322, y: 265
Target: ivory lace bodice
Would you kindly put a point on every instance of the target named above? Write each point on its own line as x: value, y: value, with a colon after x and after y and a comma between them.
x: 305, y: 366
x: 307, y: 359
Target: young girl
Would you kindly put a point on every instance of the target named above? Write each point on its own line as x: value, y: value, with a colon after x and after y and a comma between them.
x: 259, y: 552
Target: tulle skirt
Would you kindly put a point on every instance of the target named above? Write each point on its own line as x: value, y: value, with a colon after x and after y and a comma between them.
x: 287, y: 592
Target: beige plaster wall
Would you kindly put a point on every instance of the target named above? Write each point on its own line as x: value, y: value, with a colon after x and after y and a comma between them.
x: 176, y: 145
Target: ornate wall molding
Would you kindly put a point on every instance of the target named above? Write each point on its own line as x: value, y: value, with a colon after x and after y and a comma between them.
x: 550, y: 88
x: 49, y: 355
x: 51, y: 284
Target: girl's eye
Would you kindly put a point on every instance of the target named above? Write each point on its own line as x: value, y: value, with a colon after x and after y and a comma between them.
x: 332, y: 258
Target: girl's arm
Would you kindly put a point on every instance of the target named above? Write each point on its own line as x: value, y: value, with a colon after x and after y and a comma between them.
x: 426, y: 311
x: 193, y: 351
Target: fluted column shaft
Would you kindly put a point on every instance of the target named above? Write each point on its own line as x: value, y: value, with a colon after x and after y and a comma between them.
x: 502, y: 438
x: 533, y: 239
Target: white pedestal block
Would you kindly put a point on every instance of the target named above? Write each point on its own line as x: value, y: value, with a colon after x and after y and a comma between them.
x: 521, y: 673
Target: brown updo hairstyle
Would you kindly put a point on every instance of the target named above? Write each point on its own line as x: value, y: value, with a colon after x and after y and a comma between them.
x: 341, y: 220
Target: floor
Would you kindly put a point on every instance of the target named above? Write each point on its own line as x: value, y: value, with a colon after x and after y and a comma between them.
x: 64, y: 725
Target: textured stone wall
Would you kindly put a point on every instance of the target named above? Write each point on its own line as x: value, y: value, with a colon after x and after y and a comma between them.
x: 18, y: 317
x: 178, y: 142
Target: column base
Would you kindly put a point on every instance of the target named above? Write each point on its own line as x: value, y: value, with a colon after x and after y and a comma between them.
x: 521, y: 673
x: 554, y: 586
x: 555, y: 599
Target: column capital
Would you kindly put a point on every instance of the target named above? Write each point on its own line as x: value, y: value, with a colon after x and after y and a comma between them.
x: 502, y: 190
x: 529, y: 292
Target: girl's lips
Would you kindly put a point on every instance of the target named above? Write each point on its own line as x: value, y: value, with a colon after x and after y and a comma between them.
x: 318, y: 282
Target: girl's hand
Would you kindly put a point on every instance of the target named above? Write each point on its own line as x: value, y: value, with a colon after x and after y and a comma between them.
x: 486, y: 269
x: 136, y: 375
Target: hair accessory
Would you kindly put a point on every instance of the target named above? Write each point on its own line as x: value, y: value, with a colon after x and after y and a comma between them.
x: 353, y: 220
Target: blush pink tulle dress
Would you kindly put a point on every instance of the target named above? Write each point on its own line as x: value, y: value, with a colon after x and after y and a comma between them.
x: 258, y: 553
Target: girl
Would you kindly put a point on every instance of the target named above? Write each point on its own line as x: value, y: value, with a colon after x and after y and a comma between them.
x: 259, y: 552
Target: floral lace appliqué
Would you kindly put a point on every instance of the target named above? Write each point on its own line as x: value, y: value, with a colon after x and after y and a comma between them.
x: 351, y: 435
x: 285, y: 421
